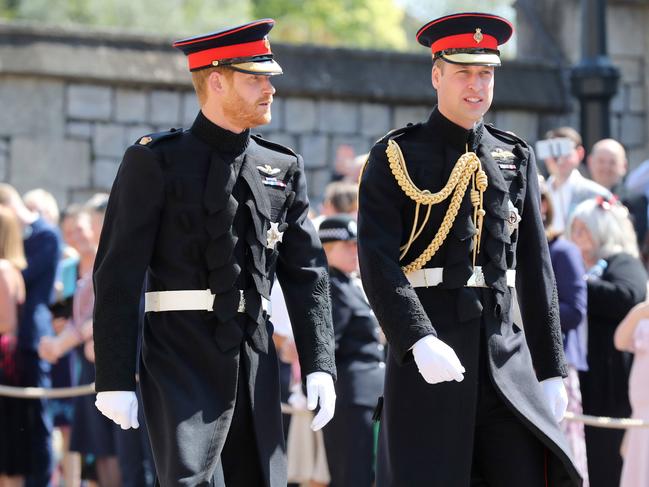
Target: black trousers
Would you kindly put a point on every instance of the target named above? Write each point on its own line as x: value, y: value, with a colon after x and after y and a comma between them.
x: 240, y: 459
x: 505, y: 452
x: 349, y: 444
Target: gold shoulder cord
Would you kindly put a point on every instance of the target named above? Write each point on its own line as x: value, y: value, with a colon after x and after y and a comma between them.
x: 467, y: 168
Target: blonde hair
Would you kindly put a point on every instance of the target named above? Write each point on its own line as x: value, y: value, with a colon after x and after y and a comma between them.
x: 44, y: 203
x: 199, y: 80
x: 11, y: 241
x: 609, y: 225
x: 8, y: 194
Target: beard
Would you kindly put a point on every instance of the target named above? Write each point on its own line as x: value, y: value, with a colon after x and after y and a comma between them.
x: 243, y: 112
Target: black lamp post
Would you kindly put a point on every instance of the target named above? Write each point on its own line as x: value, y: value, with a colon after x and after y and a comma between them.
x: 594, y: 79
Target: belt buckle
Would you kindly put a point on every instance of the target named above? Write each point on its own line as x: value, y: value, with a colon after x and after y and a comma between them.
x: 477, y: 278
x: 242, y: 302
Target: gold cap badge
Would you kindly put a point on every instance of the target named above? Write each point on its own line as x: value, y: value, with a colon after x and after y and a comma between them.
x: 145, y: 140
x: 478, y: 36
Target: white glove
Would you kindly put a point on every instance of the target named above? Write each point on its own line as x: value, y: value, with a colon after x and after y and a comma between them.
x: 120, y: 406
x: 320, y: 387
x: 556, y: 395
x: 437, y: 361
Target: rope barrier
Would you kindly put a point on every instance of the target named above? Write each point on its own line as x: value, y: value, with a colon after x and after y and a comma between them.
x: 63, y: 392
x: 44, y: 393
x: 605, y: 422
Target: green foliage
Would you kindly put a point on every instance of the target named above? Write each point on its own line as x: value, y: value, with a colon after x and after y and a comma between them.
x: 161, y: 16
x: 362, y: 23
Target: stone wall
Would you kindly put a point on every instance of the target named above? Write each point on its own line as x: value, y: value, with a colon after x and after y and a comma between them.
x: 71, y: 101
x: 552, y: 30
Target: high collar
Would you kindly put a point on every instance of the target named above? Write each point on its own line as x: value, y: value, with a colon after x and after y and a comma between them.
x: 219, y: 138
x: 453, y: 134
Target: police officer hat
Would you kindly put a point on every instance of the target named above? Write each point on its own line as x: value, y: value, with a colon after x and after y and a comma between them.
x: 243, y: 48
x: 466, y: 38
x: 337, y: 228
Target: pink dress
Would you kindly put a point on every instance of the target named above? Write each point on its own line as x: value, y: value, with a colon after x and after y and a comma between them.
x: 635, y: 472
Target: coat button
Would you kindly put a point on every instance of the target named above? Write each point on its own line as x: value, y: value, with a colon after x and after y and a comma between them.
x: 380, y: 347
x: 381, y: 365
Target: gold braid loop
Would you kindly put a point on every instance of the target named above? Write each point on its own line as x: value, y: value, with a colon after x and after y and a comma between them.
x: 463, y: 172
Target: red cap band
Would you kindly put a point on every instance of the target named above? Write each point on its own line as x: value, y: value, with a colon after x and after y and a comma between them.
x: 464, y: 41
x: 249, y: 49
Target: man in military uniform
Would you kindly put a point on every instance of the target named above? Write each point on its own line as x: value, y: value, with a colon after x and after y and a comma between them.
x: 449, y: 224
x: 210, y: 214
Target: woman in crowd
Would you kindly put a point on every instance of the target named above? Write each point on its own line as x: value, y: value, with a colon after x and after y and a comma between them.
x: 569, y: 272
x: 616, y: 282
x: 13, y: 467
x: 349, y: 439
x: 633, y: 336
x: 92, y: 433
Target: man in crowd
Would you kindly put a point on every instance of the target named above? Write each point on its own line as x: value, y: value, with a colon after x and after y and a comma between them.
x: 608, y: 165
x: 566, y: 185
x: 210, y: 214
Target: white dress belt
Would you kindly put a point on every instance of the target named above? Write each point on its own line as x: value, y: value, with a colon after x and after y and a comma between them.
x: 435, y: 275
x: 191, y: 300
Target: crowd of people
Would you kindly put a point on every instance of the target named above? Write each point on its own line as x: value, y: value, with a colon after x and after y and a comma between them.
x: 596, y: 230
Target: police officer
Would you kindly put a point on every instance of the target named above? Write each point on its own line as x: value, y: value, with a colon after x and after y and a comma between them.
x: 349, y: 437
x: 210, y: 214
x: 449, y: 224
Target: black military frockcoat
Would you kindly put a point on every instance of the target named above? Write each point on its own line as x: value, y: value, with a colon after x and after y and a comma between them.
x: 427, y: 430
x: 192, y: 209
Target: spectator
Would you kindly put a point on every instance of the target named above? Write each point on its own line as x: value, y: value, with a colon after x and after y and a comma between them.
x: 339, y: 197
x: 42, y: 248
x: 92, y: 433
x: 566, y: 185
x: 608, y: 165
x: 14, y: 463
x: 349, y: 437
x: 633, y: 336
x: 616, y: 282
x: 63, y: 371
x: 42, y: 202
x: 569, y: 273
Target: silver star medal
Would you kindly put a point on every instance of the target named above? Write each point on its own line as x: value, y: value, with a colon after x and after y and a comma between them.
x: 514, y: 218
x: 273, y: 235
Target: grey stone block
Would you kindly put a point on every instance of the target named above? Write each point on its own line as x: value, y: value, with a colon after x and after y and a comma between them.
x: 277, y: 115
x: 103, y: 173
x: 361, y: 145
x: 630, y: 68
x: 282, y: 138
x: 375, y: 119
x: 338, y: 117
x: 523, y: 124
x: 637, y: 156
x: 49, y: 162
x: 165, y: 108
x: 317, y: 180
x: 300, y: 115
x: 89, y: 102
x: 314, y: 150
x: 633, y: 130
x: 109, y: 140
x: 79, y: 130
x: 618, y: 101
x: 136, y: 132
x: 404, y: 115
x: 130, y: 105
x: 81, y: 195
x: 4, y: 146
x: 626, y: 31
x: 190, y: 109
x: 31, y: 107
x: 3, y: 166
x: 636, y: 97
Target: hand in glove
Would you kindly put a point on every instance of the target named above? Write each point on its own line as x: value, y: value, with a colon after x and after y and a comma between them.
x: 320, y: 387
x: 437, y: 361
x: 120, y: 406
x: 556, y: 396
